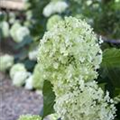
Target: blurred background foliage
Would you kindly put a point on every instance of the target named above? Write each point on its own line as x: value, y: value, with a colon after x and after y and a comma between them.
x: 21, y: 31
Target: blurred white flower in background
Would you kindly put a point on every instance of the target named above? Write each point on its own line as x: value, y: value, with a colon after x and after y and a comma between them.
x: 29, y: 83
x: 33, y: 54
x: 12, y: 18
x: 4, y: 29
x: 54, y: 7
x: 21, y: 33
x: 6, y: 61
x: 53, y: 21
x: 16, y: 68
x: 13, y: 30
x: 18, y: 32
x: 20, y: 78
x: 18, y: 74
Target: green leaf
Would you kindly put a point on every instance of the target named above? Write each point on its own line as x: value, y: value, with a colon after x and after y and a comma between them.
x: 111, y: 58
x: 110, y: 69
x: 29, y: 65
x: 117, y: 92
x: 114, y: 76
x: 48, y: 99
x: 102, y: 85
x: 21, y: 56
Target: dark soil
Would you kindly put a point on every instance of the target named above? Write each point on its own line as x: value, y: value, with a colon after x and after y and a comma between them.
x: 17, y: 101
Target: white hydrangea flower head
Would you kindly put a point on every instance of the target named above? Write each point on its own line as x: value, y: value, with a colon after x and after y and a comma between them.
x: 37, y: 77
x: 68, y: 51
x: 6, y: 61
x: 33, y: 54
x: 21, y: 33
x: 29, y: 83
x: 13, y: 30
x: 20, y: 78
x: 54, y: 7
x: 18, y: 32
x: 4, y: 26
x: 19, y: 67
x: 53, y: 21
x: 18, y: 74
x: 85, y: 103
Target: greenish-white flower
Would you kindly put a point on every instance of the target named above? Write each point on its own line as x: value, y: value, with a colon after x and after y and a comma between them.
x: 30, y: 117
x: 69, y: 56
x: 12, y: 18
x: 53, y: 21
x: 29, y: 83
x: 54, y: 7
x: 37, y: 77
x: 20, y: 78
x: 19, y: 74
x: 68, y: 51
x: 13, y: 30
x: 19, y: 32
x: 33, y: 54
x: 4, y: 27
x: 87, y: 102
x: 19, y: 67
x: 6, y: 61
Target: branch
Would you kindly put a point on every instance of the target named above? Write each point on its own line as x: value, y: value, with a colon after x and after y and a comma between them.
x: 112, y: 41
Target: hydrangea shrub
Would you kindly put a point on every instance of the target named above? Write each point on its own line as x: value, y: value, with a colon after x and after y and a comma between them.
x: 69, y: 56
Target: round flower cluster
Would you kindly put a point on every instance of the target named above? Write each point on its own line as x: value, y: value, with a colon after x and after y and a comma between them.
x: 18, y: 32
x: 6, y: 61
x: 54, y: 7
x: 18, y: 74
x: 68, y: 51
x: 53, y: 21
x: 13, y: 30
x: 4, y: 29
x: 21, y: 33
x: 87, y: 102
x: 30, y: 117
x: 69, y: 56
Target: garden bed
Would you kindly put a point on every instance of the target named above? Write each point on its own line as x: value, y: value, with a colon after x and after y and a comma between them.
x: 17, y: 101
